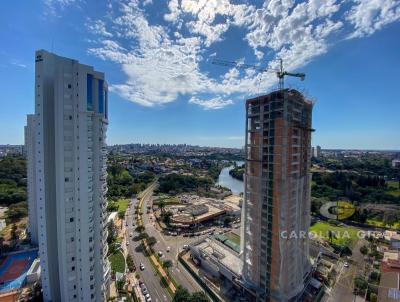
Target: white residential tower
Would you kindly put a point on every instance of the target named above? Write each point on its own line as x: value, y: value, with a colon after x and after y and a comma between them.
x: 67, y: 176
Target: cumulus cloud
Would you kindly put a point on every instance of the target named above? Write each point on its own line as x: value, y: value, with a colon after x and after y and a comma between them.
x: 165, y: 60
x: 211, y: 104
x: 98, y: 27
x: 368, y: 16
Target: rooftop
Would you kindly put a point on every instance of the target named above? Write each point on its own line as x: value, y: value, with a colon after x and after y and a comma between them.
x: 221, y: 254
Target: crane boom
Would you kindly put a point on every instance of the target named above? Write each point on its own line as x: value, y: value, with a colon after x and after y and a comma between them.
x: 281, y: 73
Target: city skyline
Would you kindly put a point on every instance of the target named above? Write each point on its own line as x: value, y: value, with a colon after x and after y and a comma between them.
x: 150, y: 108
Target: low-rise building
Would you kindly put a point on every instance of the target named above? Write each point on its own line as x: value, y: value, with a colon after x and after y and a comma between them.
x: 389, y: 287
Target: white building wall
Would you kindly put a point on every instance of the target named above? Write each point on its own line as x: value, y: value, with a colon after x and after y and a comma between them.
x: 31, y: 167
x: 71, y: 178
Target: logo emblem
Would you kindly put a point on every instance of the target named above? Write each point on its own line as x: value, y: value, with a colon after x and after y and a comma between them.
x: 338, y: 210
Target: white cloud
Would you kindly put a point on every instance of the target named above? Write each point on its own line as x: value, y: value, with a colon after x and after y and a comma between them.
x: 99, y: 28
x: 163, y: 62
x: 18, y: 64
x: 53, y: 5
x: 211, y: 104
x: 368, y: 16
x: 174, y: 11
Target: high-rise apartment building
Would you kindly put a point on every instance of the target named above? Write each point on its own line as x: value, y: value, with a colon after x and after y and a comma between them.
x: 67, y: 171
x: 31, y: 175
x: 276, y: 208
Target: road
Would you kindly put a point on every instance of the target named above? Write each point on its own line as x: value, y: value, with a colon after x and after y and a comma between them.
x: 343, y: 289
x: 175, y: 244
x: 157, y: 292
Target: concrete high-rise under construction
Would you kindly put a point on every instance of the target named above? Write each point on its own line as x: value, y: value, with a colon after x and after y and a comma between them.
x: 276, y: 210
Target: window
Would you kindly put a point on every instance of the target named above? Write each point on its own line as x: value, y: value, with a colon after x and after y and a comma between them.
x: 69, y: 86
x: 89, y: 82
x: 73, y: 268
x: 101, y: 96
x: 71, y: 219
x: 106, y: 103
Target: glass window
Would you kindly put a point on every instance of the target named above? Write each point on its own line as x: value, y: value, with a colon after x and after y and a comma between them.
x: 101, y: 97
x: 106, y: 103
x: 89, y: 82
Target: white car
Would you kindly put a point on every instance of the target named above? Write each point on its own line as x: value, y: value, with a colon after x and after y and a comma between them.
x: 127, y: 243
x: 346, y: 264
x: 160, y: 254
x: 141, y: 266
x: 168, y: 249
x: 185, y: 247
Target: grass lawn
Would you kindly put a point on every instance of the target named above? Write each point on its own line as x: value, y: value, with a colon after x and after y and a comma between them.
x: 117, y: 262
x: 377, y: 223
x: 122, y: 204
x: 393, y: 184
x: 343, y: 235
x: 233, y: 237
x: 395, y: 193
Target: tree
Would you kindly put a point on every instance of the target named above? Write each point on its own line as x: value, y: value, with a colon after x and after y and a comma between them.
x: 129, y: 262
x: 14, y: 232
x: 198, y: 297
x: 1, y: 244
x: 151, y: 241
x: 167, y: 263
x: 364, y: 250
x: 181, y: 295
x: 161, y: 206
x: 139, y: 228
x: 166, y: 217
x: 373, y: 297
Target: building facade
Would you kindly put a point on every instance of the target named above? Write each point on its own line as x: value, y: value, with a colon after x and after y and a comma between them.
x: 31, y: 178
x: 69, y: 166
x: 276, y: 208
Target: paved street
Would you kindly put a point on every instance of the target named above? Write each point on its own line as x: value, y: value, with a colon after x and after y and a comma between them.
x: 175, y: 243
x: 343, y: 289
x: 148, y: 276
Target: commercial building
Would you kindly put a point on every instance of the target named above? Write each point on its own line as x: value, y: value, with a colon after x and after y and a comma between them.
x: 276, y: 208
x: 67, y: 160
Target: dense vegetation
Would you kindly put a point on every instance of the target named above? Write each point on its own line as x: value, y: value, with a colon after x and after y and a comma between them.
x: 175, y: 183
x: 12, y: 180
x: 366, y: 189
x: 13, y: 187
x: 182, y: 295
x: 237, y: 172
x: 365, y: 164
x: 122, y: 184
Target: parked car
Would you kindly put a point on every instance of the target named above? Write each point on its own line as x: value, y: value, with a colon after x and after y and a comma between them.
x: 185, y: 247
x: 168, y: 249
x: 160, y: 254
x: 141, y: 266
x: 144, y: 290
x: 346, y: 264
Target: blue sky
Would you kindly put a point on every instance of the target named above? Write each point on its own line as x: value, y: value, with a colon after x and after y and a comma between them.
x: 157, y: 59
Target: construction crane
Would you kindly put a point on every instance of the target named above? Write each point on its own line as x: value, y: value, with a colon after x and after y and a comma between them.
x: 280, y: 73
